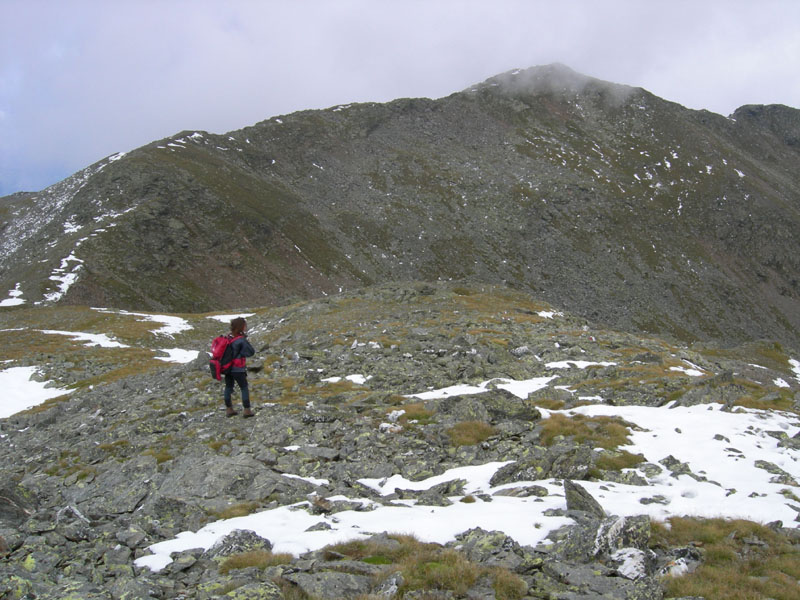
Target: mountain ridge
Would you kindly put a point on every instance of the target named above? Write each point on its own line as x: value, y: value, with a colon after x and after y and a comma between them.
x: 601, y: 198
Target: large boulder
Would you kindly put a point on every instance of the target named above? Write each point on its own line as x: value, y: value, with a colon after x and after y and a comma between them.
x: 579, y: 499
x: 236, y: 542
x: 330, y: 585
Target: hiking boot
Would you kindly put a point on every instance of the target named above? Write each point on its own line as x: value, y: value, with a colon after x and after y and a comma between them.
x: 248, y: 413
x: 230, y: 412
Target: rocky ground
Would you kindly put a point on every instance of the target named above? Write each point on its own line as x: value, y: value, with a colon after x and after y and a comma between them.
x: 134, y: 456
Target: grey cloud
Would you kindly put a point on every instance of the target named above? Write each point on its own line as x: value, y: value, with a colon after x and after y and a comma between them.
x: 83, y: 79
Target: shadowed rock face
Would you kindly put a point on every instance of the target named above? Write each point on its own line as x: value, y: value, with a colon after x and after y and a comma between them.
x: 600, y: 198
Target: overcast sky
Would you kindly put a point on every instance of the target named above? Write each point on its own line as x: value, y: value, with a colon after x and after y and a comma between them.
x: 82, y: 79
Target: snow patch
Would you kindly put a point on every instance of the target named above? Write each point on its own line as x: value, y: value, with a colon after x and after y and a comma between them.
x: 229, y: 318
x: 171, y: 325
x: 796, y: 368
x: 178, y: 355
x: 580, y: 364
x: 20, y: 392
x: 91, y: 339
x: 14, y: 297
x: 65, y: 276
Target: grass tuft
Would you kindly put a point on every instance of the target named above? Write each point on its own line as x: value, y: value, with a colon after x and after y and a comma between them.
x: 618, y: 460
x: 468, y: 433
x: 427, y: 566
x: 742, y: 560
x: 415, y: 413
x: 603, y: 432
x: 255, y: 558
x: 242, y: 509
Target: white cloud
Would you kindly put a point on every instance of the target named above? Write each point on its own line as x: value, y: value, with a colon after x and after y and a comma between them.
x: 84, y: 79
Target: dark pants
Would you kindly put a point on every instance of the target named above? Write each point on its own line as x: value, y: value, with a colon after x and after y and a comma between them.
x: 241, y: 379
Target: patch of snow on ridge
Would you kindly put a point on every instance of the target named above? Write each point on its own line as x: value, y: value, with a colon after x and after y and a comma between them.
x: 20, y: 392
x: 287, y: 526
x: 723, y: 447
x: 580, y: 364
x: 46, y: 208
x: 171, y: 325
x: 91, y: 339
x: 796, y: 368
x: 311, y: 480
x: 229, y: 318
x: 14, y: 297
x: 549, y: 314
x: 521, y: 389
x: 70, y: 226
x: 65, y: 276
x: 178, y: 355
x: 689, y: 372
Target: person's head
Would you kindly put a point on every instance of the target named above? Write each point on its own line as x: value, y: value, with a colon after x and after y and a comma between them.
x: 238, y: 325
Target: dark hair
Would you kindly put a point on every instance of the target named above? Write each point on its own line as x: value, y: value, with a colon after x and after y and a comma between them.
x: 238, y: 325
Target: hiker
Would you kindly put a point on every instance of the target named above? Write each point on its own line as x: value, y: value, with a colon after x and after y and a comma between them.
x: 238, y: 372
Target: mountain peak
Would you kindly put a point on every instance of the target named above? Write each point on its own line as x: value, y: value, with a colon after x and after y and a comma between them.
x: 552, y: 79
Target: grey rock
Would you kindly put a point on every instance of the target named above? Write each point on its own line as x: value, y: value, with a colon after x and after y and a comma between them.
x: 236, y: 542
x: 781, y: 476
x: 579, y: 499
x: 330, y: 585
x: 263, y: 590
x: 523, y: 491
x: 490, y: 548
x: 590, y: 538
x: 588, y: 581
x: 16, y: 505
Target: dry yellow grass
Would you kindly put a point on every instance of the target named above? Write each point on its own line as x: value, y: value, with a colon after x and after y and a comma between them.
x: 732, y: 569
x: 241, y: 509
x: 255, y: 558
x: 604, y: 432
x: 468, y: 433
x: 618, y: 461
x: 427, y: 566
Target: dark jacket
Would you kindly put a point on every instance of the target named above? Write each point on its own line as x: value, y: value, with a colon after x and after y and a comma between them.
x: 241, y: 350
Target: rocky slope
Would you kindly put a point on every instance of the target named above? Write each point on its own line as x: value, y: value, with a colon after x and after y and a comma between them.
x: 140, y: 451
x: 600, y: 198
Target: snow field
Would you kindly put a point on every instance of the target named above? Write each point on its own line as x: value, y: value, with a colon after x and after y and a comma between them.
x: 722, y: 447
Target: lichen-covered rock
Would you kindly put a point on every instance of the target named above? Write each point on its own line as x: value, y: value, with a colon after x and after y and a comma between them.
x: 562, y: 461
x: 591, y: 538
x: 579, y: 499
x: 330, y: 585
x: 490, y: 548
x: 236, y: 542
x: 263, y: 590
x: 580, y: 581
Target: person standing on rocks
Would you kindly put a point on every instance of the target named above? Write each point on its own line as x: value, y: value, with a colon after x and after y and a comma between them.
x: 238, y: 372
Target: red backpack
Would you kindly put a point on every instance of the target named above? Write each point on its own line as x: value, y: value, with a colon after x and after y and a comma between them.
x: 222, y: 358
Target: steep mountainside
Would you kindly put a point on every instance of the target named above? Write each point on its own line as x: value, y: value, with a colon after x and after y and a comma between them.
x: 604, y: 199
